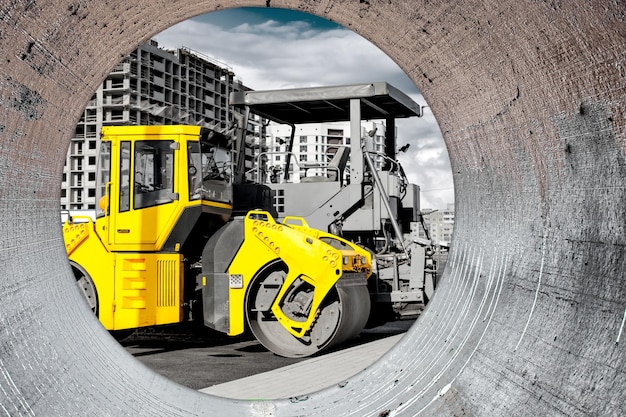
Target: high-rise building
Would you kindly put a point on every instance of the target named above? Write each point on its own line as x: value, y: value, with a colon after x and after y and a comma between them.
x: 440, y: 224
x: 149, y: 87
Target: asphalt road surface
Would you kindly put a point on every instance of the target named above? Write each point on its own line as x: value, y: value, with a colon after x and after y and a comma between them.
x: 200, y: 358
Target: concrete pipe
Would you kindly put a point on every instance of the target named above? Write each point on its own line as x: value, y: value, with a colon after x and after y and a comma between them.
x: 529, y: 317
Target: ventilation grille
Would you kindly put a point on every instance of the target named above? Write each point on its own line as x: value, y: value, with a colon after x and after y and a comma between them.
x: 166, y: 283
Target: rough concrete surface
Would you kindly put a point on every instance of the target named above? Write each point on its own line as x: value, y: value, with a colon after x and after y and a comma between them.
x: 529, y: 317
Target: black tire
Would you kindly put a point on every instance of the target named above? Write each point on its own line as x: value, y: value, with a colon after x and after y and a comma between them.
x: 86, y: 286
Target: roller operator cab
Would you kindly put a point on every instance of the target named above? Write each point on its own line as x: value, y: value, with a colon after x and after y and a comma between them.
x: 164, y: 248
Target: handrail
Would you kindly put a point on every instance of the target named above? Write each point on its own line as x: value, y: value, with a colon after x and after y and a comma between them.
x: 305, y: 166
x: 301, y: 166
x: 397, y: 167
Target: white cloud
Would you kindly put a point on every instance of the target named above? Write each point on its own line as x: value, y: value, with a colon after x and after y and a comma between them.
x: 426, y: 163
x: 273, y: 54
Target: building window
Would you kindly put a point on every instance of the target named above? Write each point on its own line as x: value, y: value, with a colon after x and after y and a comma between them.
x: 303, y: 149
x: 91, y: 192
x: 302, y: 158
x: 302, y: 139
x: 92, y: 144
x: 92, y: 160
x: 92, y: 176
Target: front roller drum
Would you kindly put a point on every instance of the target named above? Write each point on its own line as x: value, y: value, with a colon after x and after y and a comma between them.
x: 341, y: 317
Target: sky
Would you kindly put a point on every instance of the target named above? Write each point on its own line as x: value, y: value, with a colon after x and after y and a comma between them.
x: 269, y: 48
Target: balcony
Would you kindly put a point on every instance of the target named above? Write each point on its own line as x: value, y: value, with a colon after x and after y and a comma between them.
x: 121, y: 68
x: 114, y: 85
x: 118, y: 101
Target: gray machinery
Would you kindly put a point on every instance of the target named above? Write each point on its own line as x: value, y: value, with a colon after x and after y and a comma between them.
x: 359, y: 194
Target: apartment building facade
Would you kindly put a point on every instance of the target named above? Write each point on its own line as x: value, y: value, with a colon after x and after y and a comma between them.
x: 440, y: 224
x: 149, y: 87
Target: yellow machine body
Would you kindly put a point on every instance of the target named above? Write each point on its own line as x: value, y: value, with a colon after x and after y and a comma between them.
x: 130, y: 252
x: 165, y: 196
x: 307, y: 257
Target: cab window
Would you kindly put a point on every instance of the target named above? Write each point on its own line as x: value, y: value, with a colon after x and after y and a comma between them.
x: 154, y: 173
x: 103, y: 177
x: 124, y: 177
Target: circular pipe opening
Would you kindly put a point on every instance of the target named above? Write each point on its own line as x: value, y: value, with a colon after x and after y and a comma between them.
x: 168, y: 57
x: 532, y: 300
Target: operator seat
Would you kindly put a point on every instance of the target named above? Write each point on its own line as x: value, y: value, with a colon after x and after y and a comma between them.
x: 334, y: 169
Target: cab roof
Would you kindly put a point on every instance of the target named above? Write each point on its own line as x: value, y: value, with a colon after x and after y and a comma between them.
x: 150, y: 130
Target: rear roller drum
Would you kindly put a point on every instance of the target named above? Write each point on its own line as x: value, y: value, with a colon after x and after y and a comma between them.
x: 341, y: 316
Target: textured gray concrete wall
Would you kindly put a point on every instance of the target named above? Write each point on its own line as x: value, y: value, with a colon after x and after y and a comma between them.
x: 528, y: 321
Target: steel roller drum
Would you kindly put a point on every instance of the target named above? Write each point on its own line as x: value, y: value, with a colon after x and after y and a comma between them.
x: 341, y: 317
x: 529, y: 317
